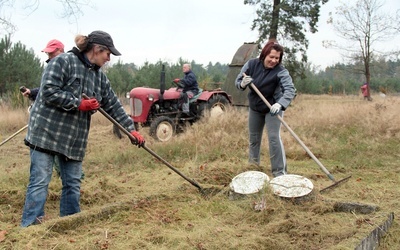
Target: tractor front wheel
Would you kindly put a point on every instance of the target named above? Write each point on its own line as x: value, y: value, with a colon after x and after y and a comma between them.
x: 162, y: 128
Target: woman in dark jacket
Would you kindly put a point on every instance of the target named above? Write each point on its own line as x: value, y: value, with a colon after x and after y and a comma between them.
x: 276, y: 85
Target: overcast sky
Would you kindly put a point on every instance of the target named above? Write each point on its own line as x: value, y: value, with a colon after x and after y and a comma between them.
x: 201, y: 30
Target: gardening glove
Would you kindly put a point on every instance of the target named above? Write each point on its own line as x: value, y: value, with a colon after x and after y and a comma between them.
x: 176, y: 80
x: 89, y: 104
x: 275, y: 109
x: 139, y: 139
x: 246, y: 81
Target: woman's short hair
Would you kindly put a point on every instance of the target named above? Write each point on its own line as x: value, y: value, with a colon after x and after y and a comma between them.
x: 271, y: 45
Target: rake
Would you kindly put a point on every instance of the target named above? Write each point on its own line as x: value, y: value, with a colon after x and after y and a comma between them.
x: 330, y: 176
x: 13, y: 135
x: 204, y: 192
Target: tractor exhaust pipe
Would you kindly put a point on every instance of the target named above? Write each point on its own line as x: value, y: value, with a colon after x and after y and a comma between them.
x: 162, y: 83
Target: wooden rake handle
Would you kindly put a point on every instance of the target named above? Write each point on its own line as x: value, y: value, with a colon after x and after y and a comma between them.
x: 146, y: 148
x: 13, y: 135
x: 330, y: 176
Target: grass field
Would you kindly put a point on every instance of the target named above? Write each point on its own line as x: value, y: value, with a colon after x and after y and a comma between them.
x: 130, y: 200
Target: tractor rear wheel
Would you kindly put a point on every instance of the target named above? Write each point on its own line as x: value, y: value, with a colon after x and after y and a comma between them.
x: 162, y: 128
x: 216, y: 105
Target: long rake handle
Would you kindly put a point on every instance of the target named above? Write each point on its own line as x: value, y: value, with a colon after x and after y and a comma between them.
x: 146, y: 148
x: 13, y: 135
x: 294, y: 135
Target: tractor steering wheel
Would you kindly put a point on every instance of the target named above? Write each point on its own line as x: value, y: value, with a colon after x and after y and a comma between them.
x: 178, y: 85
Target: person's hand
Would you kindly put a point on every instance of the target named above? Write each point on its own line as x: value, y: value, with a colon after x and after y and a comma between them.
x: 139, y: 139
x: 89, y: 104
x: 275, y: 109
x: 178, y: 83
x: 25, y: 91
x: 246, y: 81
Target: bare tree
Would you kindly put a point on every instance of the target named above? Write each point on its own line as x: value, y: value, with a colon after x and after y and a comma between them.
x: 5, y: 17
x: 362, y: 24
x: 71, y: 9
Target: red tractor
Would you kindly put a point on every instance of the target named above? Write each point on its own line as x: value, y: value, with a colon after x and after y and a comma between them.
x: 159, y: 108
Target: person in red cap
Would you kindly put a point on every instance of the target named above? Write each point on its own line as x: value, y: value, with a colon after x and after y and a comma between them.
x: 53, y: 48
x: 59, y: 121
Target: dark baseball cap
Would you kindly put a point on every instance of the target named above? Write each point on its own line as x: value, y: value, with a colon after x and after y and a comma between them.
x: 103, y: 38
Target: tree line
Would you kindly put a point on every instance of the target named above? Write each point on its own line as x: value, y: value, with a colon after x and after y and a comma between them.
x: 125, y: 76
x: 360, y: 23
x: 20, y: 66
x: 347, y: 78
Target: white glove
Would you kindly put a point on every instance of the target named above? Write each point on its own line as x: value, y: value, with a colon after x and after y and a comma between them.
x: 275, y: 109
x: 246, y: 81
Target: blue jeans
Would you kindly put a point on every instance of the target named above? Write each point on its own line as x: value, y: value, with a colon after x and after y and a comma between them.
x: 41, y: 170
x: 277, y: 156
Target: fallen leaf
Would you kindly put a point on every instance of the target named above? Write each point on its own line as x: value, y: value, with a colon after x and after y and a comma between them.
x: 202, y: 167
x: 3, y: 235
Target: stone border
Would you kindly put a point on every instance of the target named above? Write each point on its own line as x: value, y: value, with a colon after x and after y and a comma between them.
x: 372, y: 240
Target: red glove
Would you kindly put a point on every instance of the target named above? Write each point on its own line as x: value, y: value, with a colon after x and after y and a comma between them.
x: 139, y: 139
x: 176, y: 80
x: 89, y: 104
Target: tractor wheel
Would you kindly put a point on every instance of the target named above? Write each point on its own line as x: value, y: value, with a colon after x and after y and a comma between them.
x: 217, y: 105
x: 162, y: 128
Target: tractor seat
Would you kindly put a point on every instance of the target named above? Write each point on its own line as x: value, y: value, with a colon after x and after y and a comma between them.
x: 194, y: 98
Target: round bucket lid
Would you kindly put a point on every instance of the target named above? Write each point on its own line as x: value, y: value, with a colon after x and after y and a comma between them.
x: 249, y: 182
x: 291, y: 185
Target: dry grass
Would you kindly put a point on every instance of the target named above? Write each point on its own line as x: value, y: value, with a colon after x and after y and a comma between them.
x: 130, y: 200
x: 11, y: 120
